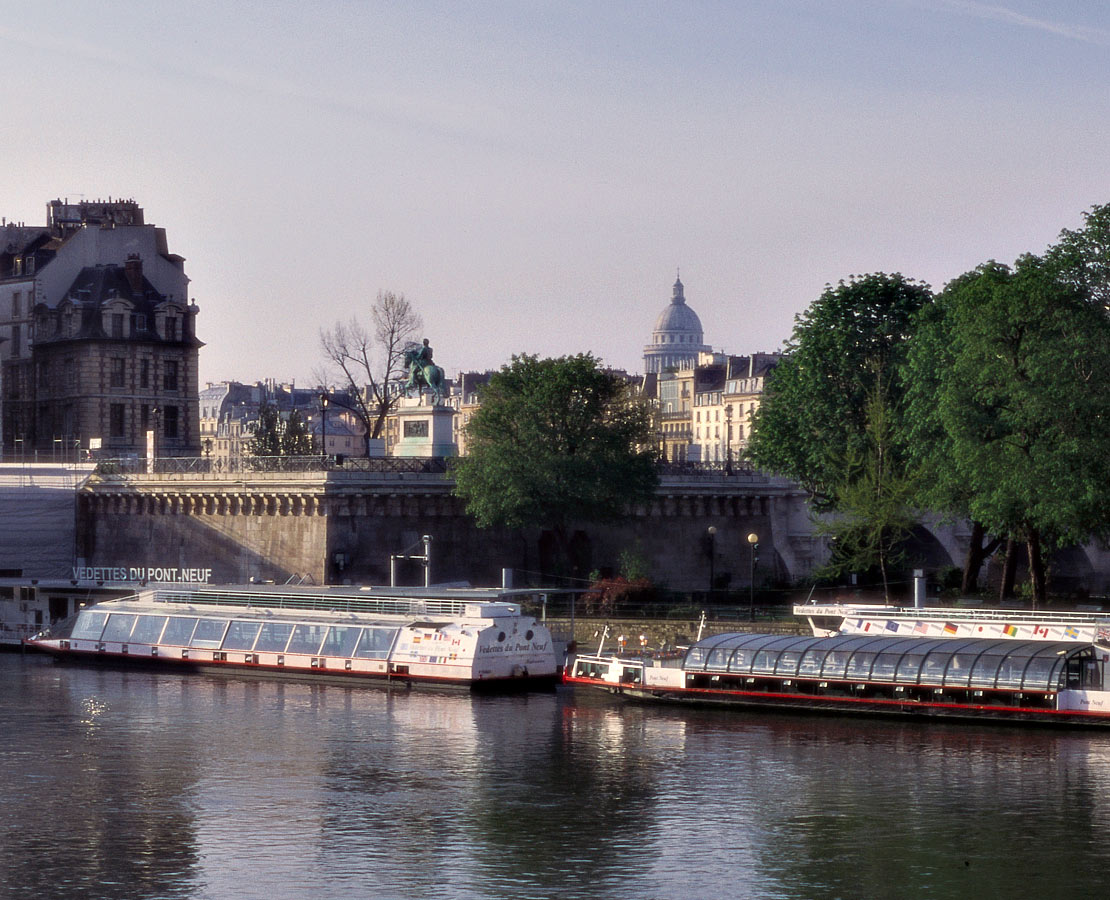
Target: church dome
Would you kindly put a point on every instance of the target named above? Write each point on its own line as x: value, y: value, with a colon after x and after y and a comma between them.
x: 678, y: 317
x: 677, y: 338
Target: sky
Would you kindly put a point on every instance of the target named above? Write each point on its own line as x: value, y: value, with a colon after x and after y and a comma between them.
x: 532, y: 175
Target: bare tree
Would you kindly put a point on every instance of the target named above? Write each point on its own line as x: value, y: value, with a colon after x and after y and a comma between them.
x: 369, y: 361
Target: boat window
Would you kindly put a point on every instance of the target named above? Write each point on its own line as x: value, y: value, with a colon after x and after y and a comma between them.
x: 209, y: 633
x: 376, y: 643
x: 811, y: 662
x: 932, y: 667
x: 885, y: 664
x: 241, y: 635
x: 178, y: 631
x: 89, y: 626
x: 742, y: 661
x: 119, y: 627
x: 306, y: 639
x: 718, y: 659
x: 148, y: 629
x: 764, y: 662
x: 835, y: 663
x: 695, y: 658
x: 959, y: 669
x: 860, y: 666
x: 273, y: 637
x: 341, y: 640
x: 987, y: 667
x: 1040, y: 674
x: 788, y: 663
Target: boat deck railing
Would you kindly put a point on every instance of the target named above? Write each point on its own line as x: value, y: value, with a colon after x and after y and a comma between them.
x: 957, y: 612
x: 385, y: 606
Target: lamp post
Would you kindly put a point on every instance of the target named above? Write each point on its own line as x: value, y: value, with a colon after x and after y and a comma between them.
x: 711, y: 534
x: 324, y: 424
x: 753, y: 542
x: 728, y: 439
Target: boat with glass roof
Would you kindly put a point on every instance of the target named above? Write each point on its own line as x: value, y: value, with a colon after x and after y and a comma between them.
x: 466, y: 637
x: 1062, y: 682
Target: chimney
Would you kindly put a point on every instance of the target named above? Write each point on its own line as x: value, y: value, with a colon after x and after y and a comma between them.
x: 133, y: 272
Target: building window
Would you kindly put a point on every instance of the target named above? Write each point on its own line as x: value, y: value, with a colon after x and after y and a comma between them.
x: 17, y: 303
x: 117, y: 325
x: 169, y: 375
x: 144, y: 418
x: 169, y: 420
x: 69, y: 366
x: 144, y: 373
x: 16, y: 334
x: 119, y: 370
x: 171, y: 328
x: 116, y: 417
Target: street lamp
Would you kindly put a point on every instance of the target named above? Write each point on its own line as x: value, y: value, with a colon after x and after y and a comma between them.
x: 728, y: 439
x: 324, y: 424
x: 711, y: 534
x: 753, y: 542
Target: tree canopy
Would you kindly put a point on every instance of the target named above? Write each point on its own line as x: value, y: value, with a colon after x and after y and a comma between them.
x: 812, y: 422
x: 1009, y: 378
x: 556, y: 442
x: 266, y: 440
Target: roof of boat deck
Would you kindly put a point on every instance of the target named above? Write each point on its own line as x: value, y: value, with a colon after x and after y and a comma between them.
x: 992, y: 663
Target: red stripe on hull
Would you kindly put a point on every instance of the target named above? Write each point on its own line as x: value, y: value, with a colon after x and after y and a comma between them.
x: 873, y: 705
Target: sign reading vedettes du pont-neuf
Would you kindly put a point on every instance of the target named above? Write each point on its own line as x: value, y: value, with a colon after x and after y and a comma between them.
x: 178, y: 575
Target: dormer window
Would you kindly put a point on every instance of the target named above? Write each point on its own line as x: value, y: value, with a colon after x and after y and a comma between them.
x: 117, y: 325
x: 171, y: 328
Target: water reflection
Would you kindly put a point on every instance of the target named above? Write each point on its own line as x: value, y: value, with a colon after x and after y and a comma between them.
x: 157, y: 786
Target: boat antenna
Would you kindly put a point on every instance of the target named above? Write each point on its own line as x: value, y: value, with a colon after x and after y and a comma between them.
x: 601, y: 643
x: 701, y: 625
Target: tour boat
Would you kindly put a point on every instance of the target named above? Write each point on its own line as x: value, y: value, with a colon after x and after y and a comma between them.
x: 463, y: 637
x: 845, y: 618
x: 1063, y: 682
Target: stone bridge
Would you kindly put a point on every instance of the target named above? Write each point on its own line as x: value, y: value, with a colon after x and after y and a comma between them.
x: 343, y: 526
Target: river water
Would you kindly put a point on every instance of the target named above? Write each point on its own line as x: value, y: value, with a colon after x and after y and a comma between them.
x: 126, y: 784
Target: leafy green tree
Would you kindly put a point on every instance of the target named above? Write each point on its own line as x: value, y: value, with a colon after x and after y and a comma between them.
x: 874, y: 510
x: 556, y: 442
x: 266, y: 440
x: 812, y: 422
x: 1013, y: 372
x: 295, y: 439
x: 1082, y: 257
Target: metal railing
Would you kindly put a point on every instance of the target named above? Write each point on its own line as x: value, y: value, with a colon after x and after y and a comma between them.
x: 205, y: 465
x: 208, y: 465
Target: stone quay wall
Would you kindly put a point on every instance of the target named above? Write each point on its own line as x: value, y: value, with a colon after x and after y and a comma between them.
x: 343, y: 526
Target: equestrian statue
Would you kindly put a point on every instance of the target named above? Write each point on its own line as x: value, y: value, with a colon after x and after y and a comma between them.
x: 423, y: 372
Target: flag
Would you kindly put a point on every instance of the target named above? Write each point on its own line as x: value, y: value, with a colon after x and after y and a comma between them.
x: 1009, y: 630
x: 891, y: 625
x: 1071, y: 632
x: 949, y: 628
x: 922, y: 628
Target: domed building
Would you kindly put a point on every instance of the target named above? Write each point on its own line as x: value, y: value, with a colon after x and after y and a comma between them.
x: 677, y: 338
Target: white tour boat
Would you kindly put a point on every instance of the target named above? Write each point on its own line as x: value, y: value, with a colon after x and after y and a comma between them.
x: 1063, y: 682
x: 469, y: 637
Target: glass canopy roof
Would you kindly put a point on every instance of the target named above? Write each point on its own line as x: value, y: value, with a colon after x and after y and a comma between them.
x: 943, y: 662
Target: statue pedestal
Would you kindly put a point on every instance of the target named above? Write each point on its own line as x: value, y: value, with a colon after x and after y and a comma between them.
x: 425, y: 431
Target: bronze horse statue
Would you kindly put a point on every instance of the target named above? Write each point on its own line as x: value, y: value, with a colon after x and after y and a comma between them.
x: 423, y: 372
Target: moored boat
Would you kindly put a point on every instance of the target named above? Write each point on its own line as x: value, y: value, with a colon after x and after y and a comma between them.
x: 466, y: 637
x: 1061, y: 682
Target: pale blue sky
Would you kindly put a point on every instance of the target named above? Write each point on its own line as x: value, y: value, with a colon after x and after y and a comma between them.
x: 531, y: 174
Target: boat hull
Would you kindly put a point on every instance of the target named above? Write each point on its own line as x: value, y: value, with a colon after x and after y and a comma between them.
x: 315, y: 675
x: 807, y: 703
